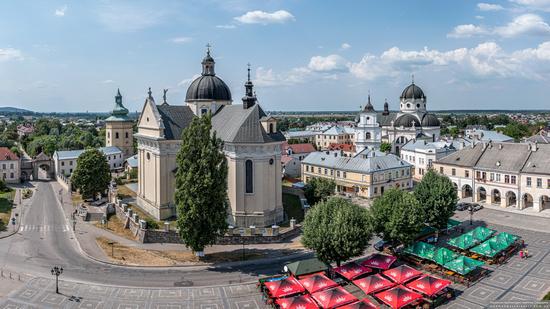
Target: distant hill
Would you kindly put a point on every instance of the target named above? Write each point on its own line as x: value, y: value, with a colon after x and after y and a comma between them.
x: 14, y: 110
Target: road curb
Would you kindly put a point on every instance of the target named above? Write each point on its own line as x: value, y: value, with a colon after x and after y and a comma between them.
x: 21, y: 213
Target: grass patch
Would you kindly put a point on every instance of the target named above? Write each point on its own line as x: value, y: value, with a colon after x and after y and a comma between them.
x: 6, y: 205
x: 547, y: 296
x: 77, y: 199
x: 125, y: 192
x: 116, y: 226
x: 135, y: 256
x: 293, y: 207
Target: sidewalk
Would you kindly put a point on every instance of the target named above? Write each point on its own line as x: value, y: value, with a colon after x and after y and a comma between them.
x: 86, y: 234
x: 19, y: 209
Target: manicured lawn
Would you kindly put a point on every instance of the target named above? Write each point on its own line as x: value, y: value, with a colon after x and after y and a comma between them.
x: 293, y: 207
x: 5, y: 208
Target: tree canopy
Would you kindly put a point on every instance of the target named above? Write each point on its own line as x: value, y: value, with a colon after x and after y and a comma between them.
x: 437, y: 197
x: 397, y: 217
x: 92, y: 174
x: 319, y: 189
x: 201, y: 186
x: 385, y: 147
x: 336, y: 230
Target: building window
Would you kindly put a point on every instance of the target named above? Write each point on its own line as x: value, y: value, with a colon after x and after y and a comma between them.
x: 148, y: 156
x: 528, y: 181
x: 126, y: 134
x: 325, y: 171
x: 71, y: 163
x: 539, y: 182
x: 513, y: 180
x: 71, y: 171
x: 467, y: 173
x: 344, y: 174
x: 492, y: 176
x: 62, y: 163
x: 318, y: 170
x: 506, y: 178
x: 249, y: 176
x: 498, y: 177
x: 307, y: 168
x: 11, y: 165
x: 453, y: 172
x: 204, y: 111
x: 271, y: 128
x: 11, y: 175
x: 375, y: 190
x: 548, y: 183
x: 116, y: 135
x: 338, y: 175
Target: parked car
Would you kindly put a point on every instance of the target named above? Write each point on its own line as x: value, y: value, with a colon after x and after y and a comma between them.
x: 381, y: 245
x: 462, y: 206
x: 476, y: 207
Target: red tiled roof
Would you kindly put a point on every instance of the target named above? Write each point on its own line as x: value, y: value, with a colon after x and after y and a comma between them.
x: 285, y: 159
x: 298, y: 148
x: 344, y: 147
x: 7, y: 154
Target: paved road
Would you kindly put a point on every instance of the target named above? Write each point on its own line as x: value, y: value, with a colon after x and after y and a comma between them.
x: 44, y: 240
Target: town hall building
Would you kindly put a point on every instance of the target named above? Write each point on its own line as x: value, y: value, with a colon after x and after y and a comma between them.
x: 252, y: 146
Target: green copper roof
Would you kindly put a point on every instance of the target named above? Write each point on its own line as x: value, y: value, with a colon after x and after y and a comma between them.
x: 119, y: 113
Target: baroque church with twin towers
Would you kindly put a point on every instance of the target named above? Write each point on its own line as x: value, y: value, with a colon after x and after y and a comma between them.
x: 252, y: 146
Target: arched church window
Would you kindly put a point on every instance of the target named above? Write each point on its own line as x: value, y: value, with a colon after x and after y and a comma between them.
x: 249, y: 187
x: 408, y: 105
x: 116, y: 135
x: 126, y: 134
x: 418, y: 105
x: 367, y: 135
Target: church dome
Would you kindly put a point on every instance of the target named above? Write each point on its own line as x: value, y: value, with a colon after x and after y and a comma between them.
x: 412, y: 92
x: 430, y: 120
x: 208, y: 87
x: 406, y: 121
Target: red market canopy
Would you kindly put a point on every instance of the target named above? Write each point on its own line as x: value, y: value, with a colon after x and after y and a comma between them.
x: 297, y: 302
x: 373, y: 284
x: 362, y: 304
x: 333, y: 298
x: 380, y: 261
x: 402, y: 274
x: 398, y: 297
x: 317, y: 283
x: 285, y: 287
x: 429, y: 285
x: 352, y: 270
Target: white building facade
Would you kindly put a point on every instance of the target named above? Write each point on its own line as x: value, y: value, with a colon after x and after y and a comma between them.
x: 65, y: 160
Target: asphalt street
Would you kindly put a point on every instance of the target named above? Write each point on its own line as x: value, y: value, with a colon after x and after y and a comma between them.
x: 45, y: 240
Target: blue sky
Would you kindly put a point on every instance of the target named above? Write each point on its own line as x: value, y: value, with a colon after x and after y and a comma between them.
x: 305, y: 54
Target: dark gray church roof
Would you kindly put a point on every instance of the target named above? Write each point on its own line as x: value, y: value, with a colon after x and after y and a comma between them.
x: 385, y: 120
x: 406, y: 121
x: 208, y: 88
x: 430, y: 120
x: 234, y: 124
x: 412, y: 92
x: 175, y: 119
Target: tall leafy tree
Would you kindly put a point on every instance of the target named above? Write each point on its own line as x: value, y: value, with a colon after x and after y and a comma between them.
x: 336, y: 230
x: 92, y: 174
x: 319, y: 189
x: 397, y: 217
x: 385, y: 147
x: 436, y: 195
x: 201, y: 186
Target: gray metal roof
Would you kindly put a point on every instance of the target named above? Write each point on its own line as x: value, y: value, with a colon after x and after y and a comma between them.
x: 538, y: 161
x: 74, y: 154
x: 235, y: 124
x: 467, y: 156
x: 175, y: 119
x: 354, y: 164
x: 208, y: 88
x: 510, y: 157
x: 412, y: 92
x: 385, y: 120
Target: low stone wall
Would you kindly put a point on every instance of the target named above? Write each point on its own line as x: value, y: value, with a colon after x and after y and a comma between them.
x: 250, y: 235
x: 64, y: 181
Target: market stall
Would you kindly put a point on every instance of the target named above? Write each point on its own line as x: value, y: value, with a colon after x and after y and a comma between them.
x: 332, y: 298
x: 373, y: 284
x: 402, y: 274
x: 379, y: 261
x: 399, y: 297
x: 352, y: 270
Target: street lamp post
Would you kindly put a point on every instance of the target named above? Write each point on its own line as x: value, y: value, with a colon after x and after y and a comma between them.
x: 471, y: 210
x: 57, y: 271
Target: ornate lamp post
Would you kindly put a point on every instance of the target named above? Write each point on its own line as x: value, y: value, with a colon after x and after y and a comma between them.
x: 471, y: 210
x: 57, y: 271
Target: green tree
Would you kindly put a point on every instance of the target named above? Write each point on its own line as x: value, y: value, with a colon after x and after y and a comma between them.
x: 516, y: 130
x: 319, y: 189
x: 43, y: 143
x: 385, y: 147
x: 397, y: 217
x: 201, y: 186
x: 92, y: 174
x: 437, y: 196
x: 336, y: 230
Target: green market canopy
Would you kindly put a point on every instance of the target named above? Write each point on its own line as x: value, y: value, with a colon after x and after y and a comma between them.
x: 463, y: 265
x: 443, y: 255
x: 482, y: 233
x: 490, y: 248
x: 451, y: 223
x: 507, y: 238
x: 464, y: 241
x: 305, y: 267
x: 421, y: 250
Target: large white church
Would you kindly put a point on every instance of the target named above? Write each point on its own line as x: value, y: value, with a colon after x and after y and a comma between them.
x: 252, y: 146
x: 411, y: 122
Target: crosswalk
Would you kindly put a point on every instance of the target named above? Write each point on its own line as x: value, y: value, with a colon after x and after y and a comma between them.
x: 44, y: 228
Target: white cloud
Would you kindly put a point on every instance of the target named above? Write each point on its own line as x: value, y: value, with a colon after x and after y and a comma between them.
x: 107, y: 81
x: 121, y: 17
x: 345, y: 46
x: 489, y: 7
x: 8, y: 54
x: 61, y: 11
x: 480, y: 17
x: 329, y: 63
x: 226, y: 26
x: 181, y: 40
x: 466, y: 31
x: 524, y: 24
x: 187, y: 81
x: 543, y: 5
x: 264, y: 18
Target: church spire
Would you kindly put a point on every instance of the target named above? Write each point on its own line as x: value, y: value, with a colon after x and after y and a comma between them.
x: 249, y: 98
x: 208, y: 63
x: 386, y: 108
x: 119, y: 110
